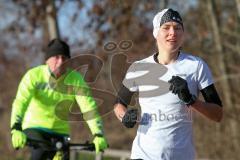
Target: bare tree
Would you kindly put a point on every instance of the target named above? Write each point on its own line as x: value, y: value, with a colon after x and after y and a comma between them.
x: 238, y: 7
x: 163, y: 4
x: 51, y: 18
x: 225, y: 84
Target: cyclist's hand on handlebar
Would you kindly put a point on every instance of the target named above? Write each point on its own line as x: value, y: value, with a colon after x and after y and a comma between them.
x: 19, y: 139
x: 100, y: 143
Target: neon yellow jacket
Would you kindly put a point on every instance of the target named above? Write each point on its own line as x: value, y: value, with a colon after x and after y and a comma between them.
x: 41, y: 101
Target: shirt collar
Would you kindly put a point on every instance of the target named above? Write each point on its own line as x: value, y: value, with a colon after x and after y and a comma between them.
x: 156, y: 55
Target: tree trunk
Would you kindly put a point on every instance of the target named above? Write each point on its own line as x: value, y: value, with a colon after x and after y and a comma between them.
x: 238, y: 7
x: 163, y: 4
x: 223, y: 70
x: 51, y: 19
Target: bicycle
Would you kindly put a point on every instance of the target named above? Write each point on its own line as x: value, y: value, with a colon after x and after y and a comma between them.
x: 62, y: 148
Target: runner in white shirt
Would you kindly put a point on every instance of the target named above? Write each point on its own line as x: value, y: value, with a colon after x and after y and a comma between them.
x: 168, y: 83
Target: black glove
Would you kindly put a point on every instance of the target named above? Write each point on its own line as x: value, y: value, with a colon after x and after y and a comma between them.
x: 130, y: 118
x: 179, y: 86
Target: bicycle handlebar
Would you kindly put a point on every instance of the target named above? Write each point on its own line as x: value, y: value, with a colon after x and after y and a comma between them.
x: 59, y: 145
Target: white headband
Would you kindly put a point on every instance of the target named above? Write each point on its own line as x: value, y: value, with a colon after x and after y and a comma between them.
x: 163, y: 17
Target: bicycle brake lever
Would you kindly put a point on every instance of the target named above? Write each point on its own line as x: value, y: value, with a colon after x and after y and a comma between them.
x: 91, y: 147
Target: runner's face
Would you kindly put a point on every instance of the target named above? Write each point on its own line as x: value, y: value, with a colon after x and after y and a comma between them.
x: 170, y: 37
x: 54, y: 64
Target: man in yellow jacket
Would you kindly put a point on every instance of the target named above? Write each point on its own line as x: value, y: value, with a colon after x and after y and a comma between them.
x: 40, y: 95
